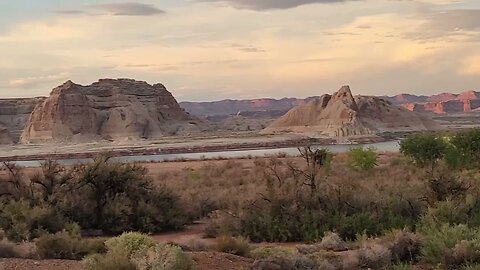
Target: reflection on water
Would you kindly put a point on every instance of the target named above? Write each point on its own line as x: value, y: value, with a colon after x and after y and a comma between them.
x: 391, y: 146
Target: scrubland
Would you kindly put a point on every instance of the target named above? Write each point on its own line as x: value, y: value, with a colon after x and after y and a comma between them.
x: 418, y: 209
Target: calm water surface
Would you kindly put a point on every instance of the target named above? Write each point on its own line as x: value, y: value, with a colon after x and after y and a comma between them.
x: 391, y: 146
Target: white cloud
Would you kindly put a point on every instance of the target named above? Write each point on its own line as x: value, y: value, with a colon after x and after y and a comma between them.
x: 28, y: 82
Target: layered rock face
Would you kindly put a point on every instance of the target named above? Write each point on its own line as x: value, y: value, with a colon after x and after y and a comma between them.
x: 439, y: 104
x: 342, y: 115
x: 14, y: 114
x: 108, y: 109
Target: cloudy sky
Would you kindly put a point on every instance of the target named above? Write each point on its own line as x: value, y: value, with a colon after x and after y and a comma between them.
x: 216, y: 49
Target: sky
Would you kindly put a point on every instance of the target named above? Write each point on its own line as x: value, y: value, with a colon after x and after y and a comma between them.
x: 206, y: 50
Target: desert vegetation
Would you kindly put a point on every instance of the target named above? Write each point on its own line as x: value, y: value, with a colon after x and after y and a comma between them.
x: 360, y: 209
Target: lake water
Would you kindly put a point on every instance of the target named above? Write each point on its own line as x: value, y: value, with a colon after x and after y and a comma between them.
x: 391, y: 146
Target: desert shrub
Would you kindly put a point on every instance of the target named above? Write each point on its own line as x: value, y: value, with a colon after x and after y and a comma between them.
x: 23, y: 222
x: 450, y: 245
x: 63, y: 245
x: 9, y: 250
x: 362, y: 159
x: 332, y: 242
x: 212, y: 229
x: 116, y: 197
x: 129, y: 243
x: 404, y: 246
x: 163, y: 257
x: 196, y: 245
x: 374, y: 257
x: 266, y: 252
x: 110, y: 261
x: 447, y: 186
x: 120, y: 251
x: 292, y: 262
x: 233, y: 245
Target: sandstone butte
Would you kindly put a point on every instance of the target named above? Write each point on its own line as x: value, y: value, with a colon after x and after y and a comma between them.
x: 111, y: 109
x: 342, y: 115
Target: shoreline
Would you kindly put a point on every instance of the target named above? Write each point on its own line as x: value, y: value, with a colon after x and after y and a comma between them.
x: 179, y: 148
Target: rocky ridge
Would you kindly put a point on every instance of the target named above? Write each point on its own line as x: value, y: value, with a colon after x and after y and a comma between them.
x: 342, y: 115
x: 14, y: 114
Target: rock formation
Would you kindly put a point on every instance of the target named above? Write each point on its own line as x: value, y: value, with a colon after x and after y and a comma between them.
x: 14, y: 114
x: 342, y: 115
x: 108, y: 109
x: 439, y: 104
x: 232, y: 107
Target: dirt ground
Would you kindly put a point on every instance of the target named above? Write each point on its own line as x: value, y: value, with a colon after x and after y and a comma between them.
x: 22, y: 264
x: 202, y: 261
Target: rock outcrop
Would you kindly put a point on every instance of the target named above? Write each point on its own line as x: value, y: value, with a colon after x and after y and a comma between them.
x: 342, y: 115
x: 14, y: 114
x: 108, y: 109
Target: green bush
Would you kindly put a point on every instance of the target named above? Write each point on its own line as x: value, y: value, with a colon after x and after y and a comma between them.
x: 468, y: 145
x: 110, y: 261
x: 451, y: 246
x: 424, y: 149
x: 164, y: 257
x: 292, y: 262
x: 130, y: 243
x: 117, y: 197
x: 229, y: 244
x: 62, y: 245
x: 23, y: 222
x: 362, y: 159
x: 266, y: 252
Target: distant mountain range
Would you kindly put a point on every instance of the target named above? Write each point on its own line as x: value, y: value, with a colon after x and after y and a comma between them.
x: 439, y: 104
x: 442, y: 103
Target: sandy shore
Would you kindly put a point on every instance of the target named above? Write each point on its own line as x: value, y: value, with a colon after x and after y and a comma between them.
x: 151, y: 147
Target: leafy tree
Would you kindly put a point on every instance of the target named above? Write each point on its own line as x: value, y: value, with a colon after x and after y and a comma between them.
x: 468, y: 145
x: 362, y: 159
x: 426, y: 150
x: 117, y: 197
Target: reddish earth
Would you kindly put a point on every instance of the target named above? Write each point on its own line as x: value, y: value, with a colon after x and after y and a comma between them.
x: 22, y: 264
x: 202, y: 261
x: 219, y: 261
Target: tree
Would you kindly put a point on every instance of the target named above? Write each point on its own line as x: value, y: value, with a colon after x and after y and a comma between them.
x: 316, y: 161
x: 16, y: 185
x: 468, y: 145
x: 52, y: 177
x: 362, y: 159
x: 116, y: 197
x: 426, y: 150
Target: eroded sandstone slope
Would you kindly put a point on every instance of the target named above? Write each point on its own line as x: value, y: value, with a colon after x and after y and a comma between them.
x: 108, y: 109
x: 342, y: 115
